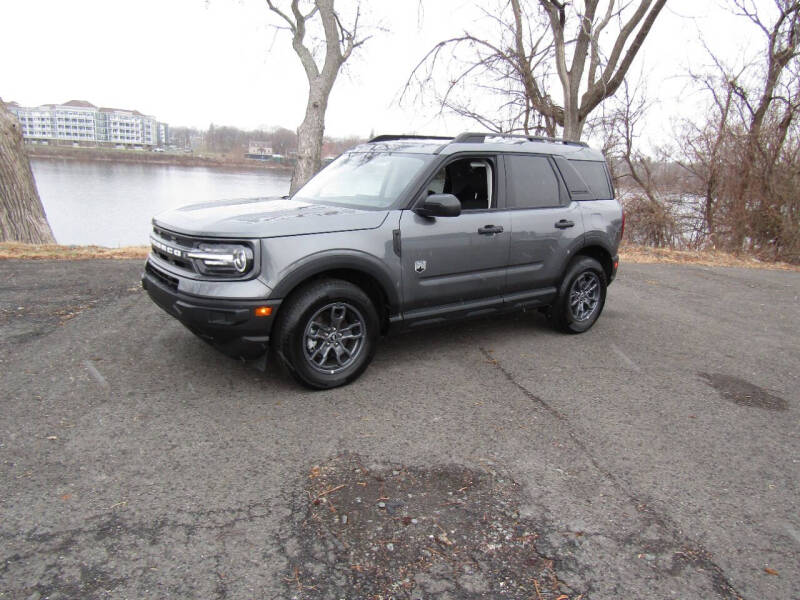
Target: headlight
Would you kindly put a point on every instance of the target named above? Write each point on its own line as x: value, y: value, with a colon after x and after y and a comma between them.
x: 240, y: 260
x: 221, y: 259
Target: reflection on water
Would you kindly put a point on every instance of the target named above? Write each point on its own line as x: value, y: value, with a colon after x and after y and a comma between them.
x: 111, y: 204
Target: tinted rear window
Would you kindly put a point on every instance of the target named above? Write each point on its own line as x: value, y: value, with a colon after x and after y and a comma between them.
x: 532, y: 182
x: 595, y: 176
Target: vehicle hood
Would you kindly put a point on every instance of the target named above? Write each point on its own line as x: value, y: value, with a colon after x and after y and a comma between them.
x: 266, y: 217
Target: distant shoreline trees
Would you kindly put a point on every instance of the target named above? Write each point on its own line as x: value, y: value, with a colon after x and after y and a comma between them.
x: 233, y: 142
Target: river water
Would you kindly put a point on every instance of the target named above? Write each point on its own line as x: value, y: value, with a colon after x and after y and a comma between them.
x: 111, y: 204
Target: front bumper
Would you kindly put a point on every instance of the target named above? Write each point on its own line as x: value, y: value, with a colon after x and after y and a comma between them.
x: 229, y: 325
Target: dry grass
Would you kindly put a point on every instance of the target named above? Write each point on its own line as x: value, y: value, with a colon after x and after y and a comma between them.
x: 54, y: 251
x: 647, y: 254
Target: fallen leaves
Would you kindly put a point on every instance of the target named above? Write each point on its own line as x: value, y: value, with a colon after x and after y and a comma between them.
x: 393, y: 522
x: 295, y: 579
x: 769, y: 571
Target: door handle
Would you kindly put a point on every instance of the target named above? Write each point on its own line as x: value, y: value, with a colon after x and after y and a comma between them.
x: 564, y: 224
x: 490, y: 229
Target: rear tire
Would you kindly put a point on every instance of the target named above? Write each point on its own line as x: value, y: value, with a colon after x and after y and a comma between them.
x: 581, y: 296
x: 326, y: 333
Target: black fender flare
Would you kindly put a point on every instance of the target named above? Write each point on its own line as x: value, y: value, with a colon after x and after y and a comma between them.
x: 595, y: 238
x: 590, y: 240
x: 333, y: 260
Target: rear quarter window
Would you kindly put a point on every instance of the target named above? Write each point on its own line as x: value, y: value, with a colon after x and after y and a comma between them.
x: 595, y: 175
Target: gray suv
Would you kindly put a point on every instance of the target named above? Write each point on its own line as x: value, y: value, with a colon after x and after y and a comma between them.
x: 397, y: 233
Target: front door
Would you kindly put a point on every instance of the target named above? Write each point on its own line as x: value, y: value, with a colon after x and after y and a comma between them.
x: 457, y: 263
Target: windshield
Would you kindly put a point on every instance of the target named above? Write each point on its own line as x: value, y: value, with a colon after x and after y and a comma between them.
x: 364, y: 179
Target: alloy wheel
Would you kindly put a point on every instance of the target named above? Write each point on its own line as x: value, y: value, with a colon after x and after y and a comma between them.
x: 584, y: 296
x: 334, y: 337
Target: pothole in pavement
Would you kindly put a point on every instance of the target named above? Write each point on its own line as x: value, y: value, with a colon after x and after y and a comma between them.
x: 743, y: 392
x: 411, y: 533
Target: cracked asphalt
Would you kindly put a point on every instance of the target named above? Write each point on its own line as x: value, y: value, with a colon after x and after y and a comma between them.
x: 656, y: 456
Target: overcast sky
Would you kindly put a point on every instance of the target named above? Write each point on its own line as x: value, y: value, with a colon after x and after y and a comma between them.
x: 196, y: 62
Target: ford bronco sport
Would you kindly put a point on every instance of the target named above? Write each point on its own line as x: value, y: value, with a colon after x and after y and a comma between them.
x: 399, y: 232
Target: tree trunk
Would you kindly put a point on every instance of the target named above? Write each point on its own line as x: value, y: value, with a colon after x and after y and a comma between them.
x: 22, y: 217
x: 309, y: 137
x: 339, y: 44
x: 708, y: 212
x: 601, y: 81
x: 573, y: 124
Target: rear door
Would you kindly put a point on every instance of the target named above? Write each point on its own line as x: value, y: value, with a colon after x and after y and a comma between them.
x: 457, y: 264
x: 546, y: 226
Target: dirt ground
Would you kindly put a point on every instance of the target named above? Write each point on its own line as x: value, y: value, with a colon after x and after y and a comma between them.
x: 388, y: 532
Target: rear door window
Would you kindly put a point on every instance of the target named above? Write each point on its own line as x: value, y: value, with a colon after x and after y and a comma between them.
x: 532, y: 183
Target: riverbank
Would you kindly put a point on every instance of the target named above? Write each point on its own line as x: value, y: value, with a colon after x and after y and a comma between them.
x: 711, y: 258
x: 151, y: 158
x: 627, y: 254
x: 17, y: 250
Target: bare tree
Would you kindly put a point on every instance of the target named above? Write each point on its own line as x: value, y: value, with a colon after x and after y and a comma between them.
x: 704, y: 147
x: 783, y: 42
x: 604, y: 76
x: 745, y: 153
x: 498, y: 82
x: 339, y: 43
x: 532, y: 45
x: 22, y: 216
x: 644, y: 184
x: 283, y: 141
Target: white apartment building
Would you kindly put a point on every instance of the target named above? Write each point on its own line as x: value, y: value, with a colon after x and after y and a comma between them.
x: 78, y: 121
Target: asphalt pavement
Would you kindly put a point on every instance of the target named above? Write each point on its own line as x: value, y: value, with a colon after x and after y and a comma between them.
x: 655, y: 456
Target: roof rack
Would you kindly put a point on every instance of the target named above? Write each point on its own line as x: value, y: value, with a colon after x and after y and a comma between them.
x: 479, y: 138
x: 391, y: 138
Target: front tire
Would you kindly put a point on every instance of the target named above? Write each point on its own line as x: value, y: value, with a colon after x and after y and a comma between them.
x: 581, y: 296
x: 327, y: 335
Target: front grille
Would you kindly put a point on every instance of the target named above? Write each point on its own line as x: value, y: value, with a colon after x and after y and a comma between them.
x: 175, y: 238
x: 167, y: 280
x: 175, y: 241
x: 183, y: 264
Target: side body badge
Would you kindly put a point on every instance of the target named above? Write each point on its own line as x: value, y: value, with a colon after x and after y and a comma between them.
x: 420, y: 266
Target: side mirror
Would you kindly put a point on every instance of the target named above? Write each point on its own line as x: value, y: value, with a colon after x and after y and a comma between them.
x: 439, y: 205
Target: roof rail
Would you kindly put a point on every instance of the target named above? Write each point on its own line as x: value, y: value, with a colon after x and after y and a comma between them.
x: 479, y: 138
x: 390, y: 138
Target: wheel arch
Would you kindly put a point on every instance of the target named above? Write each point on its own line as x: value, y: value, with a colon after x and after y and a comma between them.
x: 364, y: 272
x: 601, y: 255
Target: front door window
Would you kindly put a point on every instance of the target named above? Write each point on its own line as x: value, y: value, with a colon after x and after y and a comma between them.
x: 471, y: 180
